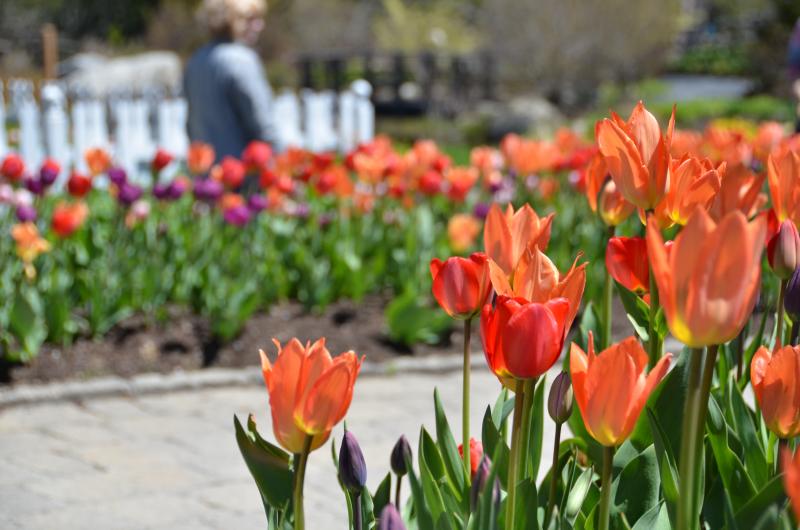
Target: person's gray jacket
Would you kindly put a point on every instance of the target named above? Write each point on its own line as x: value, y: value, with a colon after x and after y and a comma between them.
x: 230, y: 100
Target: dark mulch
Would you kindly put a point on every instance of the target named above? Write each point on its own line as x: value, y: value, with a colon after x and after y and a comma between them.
x: 185, y: 342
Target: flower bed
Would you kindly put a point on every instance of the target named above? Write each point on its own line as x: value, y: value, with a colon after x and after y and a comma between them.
x: 644, y: 438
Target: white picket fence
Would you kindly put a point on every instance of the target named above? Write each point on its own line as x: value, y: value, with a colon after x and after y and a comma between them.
x: 132, y: 128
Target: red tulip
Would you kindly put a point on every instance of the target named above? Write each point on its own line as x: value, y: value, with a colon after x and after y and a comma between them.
x: 12, y: 167
x: 78, y: 185
x: 522, y: 339
x: 67, y: 218
x: 475, y: 454
x: 161, y: 160
x: 791, y: 478
x: 232, y: 172
x: 460, y: 285
x: 775, y: 377
x: 256, y: 155
x: 626, y: 262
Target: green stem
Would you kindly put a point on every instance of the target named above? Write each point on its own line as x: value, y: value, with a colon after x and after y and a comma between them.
x: 687, y: 517
x: 397, y: 492
x: 299, y: 479
x: 465, y: 400
x: 511, y: 485
x: 654, y: 342
x: 357, y: 524
x: 772, y: 462
x: 607, y: 299
x: 605, y: 487
x: 525, y: 440
x: 554, y: 476
x: 779, y: 317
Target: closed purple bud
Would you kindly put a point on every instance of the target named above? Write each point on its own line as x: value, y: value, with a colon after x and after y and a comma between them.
x: 237, y: 216
x: 49, y: 173
x: 257, y: 203
x: 26, y: 213
x: 352, y: 467
x: 117, y: 176
x: 401, y: 453
x: 390, y: 519
x: 559, y: 402
x: 791, y: 300
x: 129, y: 193
x: 479, y: 481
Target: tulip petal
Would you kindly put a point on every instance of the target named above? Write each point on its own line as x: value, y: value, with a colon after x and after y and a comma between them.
x: 497, y: 239
x: 323, y: 407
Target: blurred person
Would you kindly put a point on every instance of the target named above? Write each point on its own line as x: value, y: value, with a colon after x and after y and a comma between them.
x: 794, y: 68
x: 230, y: 99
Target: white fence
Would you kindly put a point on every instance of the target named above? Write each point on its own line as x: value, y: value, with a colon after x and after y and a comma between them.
x: 132, y: 128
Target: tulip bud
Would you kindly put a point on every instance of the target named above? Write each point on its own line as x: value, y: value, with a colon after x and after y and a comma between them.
x: 479, y: 483
x: 791, y: 300
x: 390, y: 519
x: 783, y: 250
x: 400, y: 454
x: 559, y: 402
x: 352, y: 468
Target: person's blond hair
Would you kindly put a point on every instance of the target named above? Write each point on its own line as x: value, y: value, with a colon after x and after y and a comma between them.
x: 227, y: 18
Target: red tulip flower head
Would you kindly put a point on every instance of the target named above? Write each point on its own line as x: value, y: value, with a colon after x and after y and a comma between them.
x: 68, y: 218
x: 12, y: 167
x: 626, y: 262
x: 475, y: 454
x: 161, y: 160
x: 461, y: 286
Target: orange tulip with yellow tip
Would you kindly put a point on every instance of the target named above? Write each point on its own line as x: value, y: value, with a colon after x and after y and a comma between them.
x: 776, y: 383
x: 611, y: 388
x: 709, y: 281
x: 613, y: 207
x: 783, y: 172
x: 462, y: 231
x: 692, y: 183
x: 537, y: 279
x: 740, y: 189
x: 507, y: 235
x: 637, y: 155
x: 309, y: 392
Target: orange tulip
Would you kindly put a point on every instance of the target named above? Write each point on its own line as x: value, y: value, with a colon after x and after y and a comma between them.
x: 67, y: 218
x: 309, y: 392
x: 693, y: 182
x: 740, y: 189
x: 97, y: 159
x: 626, y: 261
x: 783, y: 171
x: 611, y: 389
x: 463, y: 230
x: 199, y: 158
x: 28, y: 241
x: 507, y: 236
x: 460, y: 181
x: 613, y: 207
x: 522, y: 339
x: 637, y: 155
x: 461, y: 285
x: 776, y: 383
x: 709, y: 281
x: 595, y: 176
x: 791, y: 478
x: 537, y: 279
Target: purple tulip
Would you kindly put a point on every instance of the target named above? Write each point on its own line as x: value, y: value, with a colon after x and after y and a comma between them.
x: 390, y: 519
x: 34, y: 185
x: 401, y: 453
x: 481, y: 210
x: 237, y: 216
x: 208, y: 190
x: 117, y: 176
x: 48, y: 174
x: 129, y: 193
x: 161, y: 191
x: 302, y: 210
x: 257, y: 203
x: 177, y: 188
x: 26, y: 213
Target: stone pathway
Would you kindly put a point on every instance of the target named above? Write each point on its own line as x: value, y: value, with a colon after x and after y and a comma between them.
x: 171, y: 460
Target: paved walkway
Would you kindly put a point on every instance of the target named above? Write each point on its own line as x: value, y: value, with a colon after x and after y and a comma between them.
x: 171, y: 460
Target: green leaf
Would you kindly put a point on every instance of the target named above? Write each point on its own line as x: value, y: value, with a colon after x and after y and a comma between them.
x: 368, y: 516
x: 429, y: 454
x: 578, y: 493
x: 667, y: 468
x: 637, y: 486
x: 493, y: 443
x: 448, y: 448
x: 424, y: 518
x: 771, y: 494
x: 537, y: 429
x: 269, y: 466
x: 27, y: 322
x: 655, y: 518
x: 738, y: 486
x: 382, y: 495
x: 754, y: 457
x: 526, y: 506
x: 638, y: 312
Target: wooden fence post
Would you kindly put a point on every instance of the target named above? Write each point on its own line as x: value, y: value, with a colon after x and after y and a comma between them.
x: 49, y: 51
